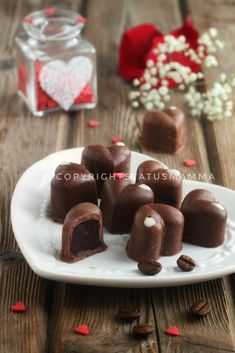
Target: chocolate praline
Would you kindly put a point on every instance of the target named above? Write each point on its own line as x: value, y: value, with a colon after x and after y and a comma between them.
x: 82, y: 233
x: 173, y: 228
x: 121, y: 199
x: 157, y: 231
x: 166, y: 183
x: 103, y: 161
x: 205, y: 219
x: 147, y: 236
x: 164, y: 131
x: 71, y: 185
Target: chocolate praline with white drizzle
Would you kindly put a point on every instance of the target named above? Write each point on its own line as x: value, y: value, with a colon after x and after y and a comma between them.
x: 82, y: 233
x: 147, y: 235
x: 103, y: 161
x: 71, y: 185
x: 120, y: 201
x: 166, y: 183
x: 205, y: 219
x: 157, y: 231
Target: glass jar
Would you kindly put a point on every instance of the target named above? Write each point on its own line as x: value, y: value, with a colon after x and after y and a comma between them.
x: 56, y: 65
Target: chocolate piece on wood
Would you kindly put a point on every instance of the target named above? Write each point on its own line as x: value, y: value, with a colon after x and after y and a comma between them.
x: 104, y: 161
x: 157, y: 231
x: 82, y: 233
x: 165, y: 183
x: 121, y: 199
x: 205, y: 219
x: 71, y: 185
x: 164, y: 131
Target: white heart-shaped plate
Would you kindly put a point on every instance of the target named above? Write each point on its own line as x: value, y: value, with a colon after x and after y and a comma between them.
x: 39, y: 238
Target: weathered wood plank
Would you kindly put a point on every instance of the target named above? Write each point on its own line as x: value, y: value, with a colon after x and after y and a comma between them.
x: 170, y: 305
x: 23, y: 140
x: 219, y: 135
x: 174, y: 303
x: 98, y: 306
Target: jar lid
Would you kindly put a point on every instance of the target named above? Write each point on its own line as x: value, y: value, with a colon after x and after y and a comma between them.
x: 53, y: 24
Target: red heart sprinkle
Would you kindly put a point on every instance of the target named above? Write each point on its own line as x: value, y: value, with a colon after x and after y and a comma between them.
x: 119, y: 175
x: 82, y: 330
x: 189, y: 162
x: 81, y: 20
x: 49, y: 11
x: 93, y: 123
x: 27, y: 20
x: 116, y: 139
x: 18, y: 307
x: 173, y: 331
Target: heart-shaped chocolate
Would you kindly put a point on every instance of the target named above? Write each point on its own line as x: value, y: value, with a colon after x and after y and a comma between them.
x: 103, y: 161
x: 164, y: 131
x: 71, y: 185
x: 120, y: 201
x: 205, y: 219
x: 65, y: 81
x: 165, y: 183
x: 157, y: 230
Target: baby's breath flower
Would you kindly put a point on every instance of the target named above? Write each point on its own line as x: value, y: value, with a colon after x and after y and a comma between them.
x: 213, y: 32
x: 210, y: 61
x: 136, y: 82
x: 163, y: 90
x: 149, y: 105
x: 219, y: 44
x: 135, y: 104
x: 200, y: 75
x: 146, y: 86
x: 227, y: 114
x: 150, y: 63
x: 152, y: 91
x: 153, y: 71
x: 181, y: 87
x: 154, y: 81
x: 132, y: 95
x: 162, y: 57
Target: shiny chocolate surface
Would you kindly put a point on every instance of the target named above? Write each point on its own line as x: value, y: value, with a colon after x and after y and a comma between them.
x: 205, y: 219
x: 164, y: 131
x: 165, y: 183
x: 71, y: 185
x: 121, y: 199
x: 103, y: 161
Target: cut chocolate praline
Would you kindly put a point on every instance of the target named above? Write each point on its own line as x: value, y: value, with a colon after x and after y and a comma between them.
x: 82, y: 233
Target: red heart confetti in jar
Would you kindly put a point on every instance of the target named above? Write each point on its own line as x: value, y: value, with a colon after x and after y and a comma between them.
x: 56, y: 65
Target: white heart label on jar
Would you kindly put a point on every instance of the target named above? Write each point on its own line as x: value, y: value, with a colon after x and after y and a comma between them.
x: 64, y: 82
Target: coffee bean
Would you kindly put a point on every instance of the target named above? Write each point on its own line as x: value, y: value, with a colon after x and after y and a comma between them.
x: 142, y: 330
x: 201, y: 308
x: 186, y: 263
x: 150, y: 268
x: 129, y: 312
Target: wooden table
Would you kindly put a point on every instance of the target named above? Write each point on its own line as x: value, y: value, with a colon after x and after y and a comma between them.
x: 54, y: 309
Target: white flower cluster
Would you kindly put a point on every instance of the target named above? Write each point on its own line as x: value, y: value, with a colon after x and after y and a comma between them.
x: 172, y: 44
x: 215, y: 103
x: 152, y: 89
x: 208, y: 44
